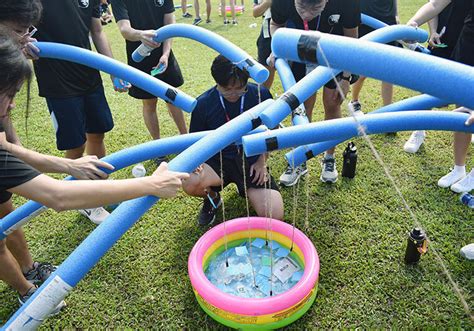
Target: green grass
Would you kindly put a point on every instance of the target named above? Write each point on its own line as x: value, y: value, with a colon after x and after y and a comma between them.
x: 359, y: 227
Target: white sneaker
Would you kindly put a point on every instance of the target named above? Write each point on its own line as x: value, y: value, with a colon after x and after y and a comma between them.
x: 414, y: 142
x: 328, y: 170
x: 472, y: 139
x: 96, y: 215
x: 356, y: 108
x: 290, y: 176
x: 451, y: 178
x: 464, y: 185
x: 467, y: 252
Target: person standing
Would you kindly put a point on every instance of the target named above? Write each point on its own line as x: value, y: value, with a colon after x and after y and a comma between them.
x: 74, y: 93
x: 198, y: 18
x: 264, y: 41
x: 137, y: 21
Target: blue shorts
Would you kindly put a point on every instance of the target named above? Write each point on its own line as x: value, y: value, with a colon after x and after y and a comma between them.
x: 73, y: 117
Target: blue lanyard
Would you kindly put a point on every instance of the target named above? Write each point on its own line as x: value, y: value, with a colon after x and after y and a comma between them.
x: 242, y: 101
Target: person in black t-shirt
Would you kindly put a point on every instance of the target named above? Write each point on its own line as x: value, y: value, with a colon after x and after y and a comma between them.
x: 463, y: 52
x: 340, y: 17
x: 20, y: 173
x: 215, y: 107
x: 74, y: 93
x: 387, y: 12
x: 137, y: 21
x: 264, y: 41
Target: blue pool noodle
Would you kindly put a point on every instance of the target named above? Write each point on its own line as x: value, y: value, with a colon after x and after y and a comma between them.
x: 117, y: 69
x: 92, y: 249
x: 420, y: 102
x: 223, y: 46
x: 345, y: 128
x: 321, y: 75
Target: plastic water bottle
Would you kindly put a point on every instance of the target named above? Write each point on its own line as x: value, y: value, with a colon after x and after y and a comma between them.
x: 141, y: 52
x: 467, y: 199
x: 139, y: 170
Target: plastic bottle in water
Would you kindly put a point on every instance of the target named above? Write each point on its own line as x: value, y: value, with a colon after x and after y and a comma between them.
x: 467, y: 199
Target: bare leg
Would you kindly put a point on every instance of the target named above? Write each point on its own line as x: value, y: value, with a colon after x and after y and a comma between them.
x: 208, y: 10
x: 178, y: 118
x: 95, y: 144
x: 260, y: 197
x: 75, y: 153
x: 232, y: 9
x: 196, y: 9
x: 183, y: 6
x: 309, y: 105
x: 268, y: 83
x: 357, y: 87
x: 150, y: 117
x: 223, y: 13
x: 387, y: 93
x: 332, y: 107
x: 461, y: 145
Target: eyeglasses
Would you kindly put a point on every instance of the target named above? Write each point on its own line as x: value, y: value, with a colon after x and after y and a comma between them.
x: 232, y: 93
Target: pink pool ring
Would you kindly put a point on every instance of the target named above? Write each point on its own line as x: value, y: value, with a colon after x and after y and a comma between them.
x: 254, y: 313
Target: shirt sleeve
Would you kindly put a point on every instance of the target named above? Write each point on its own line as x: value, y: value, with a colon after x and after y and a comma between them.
x: 350, y: 13
x: 279, y: 12
x: 198, y: 118
x: 266, y: 94
x: 119, y: 10
x: 13, y: 171
x: 168, y: 7
x: 96, y: 8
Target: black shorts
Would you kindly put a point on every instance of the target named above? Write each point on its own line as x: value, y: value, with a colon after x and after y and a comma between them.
x: 232, y: 173
x: 73, y: 117
x: 5, y: 196
x: 445, y: 53
x: 264, y: 48
x: 171, y: 76
x: 299, y: 71
x: 464, y: 50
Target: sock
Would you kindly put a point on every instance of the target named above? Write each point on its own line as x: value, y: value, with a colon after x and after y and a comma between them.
x: 421, y: 132
x: 459, y: 169
x: 328, y: 156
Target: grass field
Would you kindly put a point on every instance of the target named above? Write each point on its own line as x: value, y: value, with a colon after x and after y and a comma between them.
x: 359, y: 227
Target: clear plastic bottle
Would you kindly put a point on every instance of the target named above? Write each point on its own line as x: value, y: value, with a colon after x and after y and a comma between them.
x: 139, y: 170
x: 467, y: 199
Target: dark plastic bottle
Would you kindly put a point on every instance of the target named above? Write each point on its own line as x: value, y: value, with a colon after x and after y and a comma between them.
x: 349, y: 161
x: 416, y: 246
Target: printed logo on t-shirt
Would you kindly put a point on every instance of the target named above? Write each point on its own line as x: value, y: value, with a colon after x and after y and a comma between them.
x: 334, y: 19
x: 83, y: 3
x: 159, y: 3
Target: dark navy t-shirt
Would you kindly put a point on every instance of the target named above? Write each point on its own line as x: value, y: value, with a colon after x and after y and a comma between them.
x: 209, y: 113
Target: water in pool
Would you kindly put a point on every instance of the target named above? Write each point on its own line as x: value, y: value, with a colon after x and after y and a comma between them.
x: 238, y: 278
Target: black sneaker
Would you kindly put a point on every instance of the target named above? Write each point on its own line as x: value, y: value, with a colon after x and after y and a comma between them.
x: 187, y: 15
x: 197, y: 21
x: 23, y: 298
x: 207, y: 215
x: 39, y: 273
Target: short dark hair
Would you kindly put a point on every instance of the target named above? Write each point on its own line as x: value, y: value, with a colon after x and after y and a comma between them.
x: 14, y: 67
x: 23, y: 12
x: 225, y: 72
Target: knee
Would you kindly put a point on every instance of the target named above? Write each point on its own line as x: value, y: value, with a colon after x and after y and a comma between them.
x: 3, y: 246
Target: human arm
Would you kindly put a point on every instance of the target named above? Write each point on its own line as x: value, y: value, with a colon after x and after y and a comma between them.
x: 435, y: 37
x: 80, y: 194
x: 167, y: 19
x: 470, y: 120
x: 86, y: 167
x: 427, y: 12
x: 10, y: 132
x: 260, y: 8
x: 259, y: 170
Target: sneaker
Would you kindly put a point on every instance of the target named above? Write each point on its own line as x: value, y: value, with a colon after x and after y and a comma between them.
x: 414, y: 142
x: 159, y: 160
x: 207, y: 215
x: 226, y: 22
x: 234, y: 22
x: 197, y: 21
x: 208, y: 21
x: 328, y: 170
x: 187, y: 15
x: 39, y: 273
x: 472, y: 139
x: 291, y: 175
x: 356, y: 108
x: 467, y: 252
x: 23, y: 298
x: 451, y: 178
x: 464, y: 185
x: 96, y: 215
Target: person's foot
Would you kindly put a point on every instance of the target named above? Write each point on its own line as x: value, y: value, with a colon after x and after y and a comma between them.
x: 197, y: 21
x: 208, y: 212
x: 452, y: 177
x: 291, y: 175
x: 96, y: 215
x: 23, y: 298
x: 328, y: 170
x: 414, y: 142
x: 39, y: 273
x: 226, y: 22
x: 472, y: 139
x: 467, y: 252
x: 159, y: 160
x: 356, y: 108
x: 187, y: 15
x: 464, y: 185
x: 208, y: 21
x: 234, y: 22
